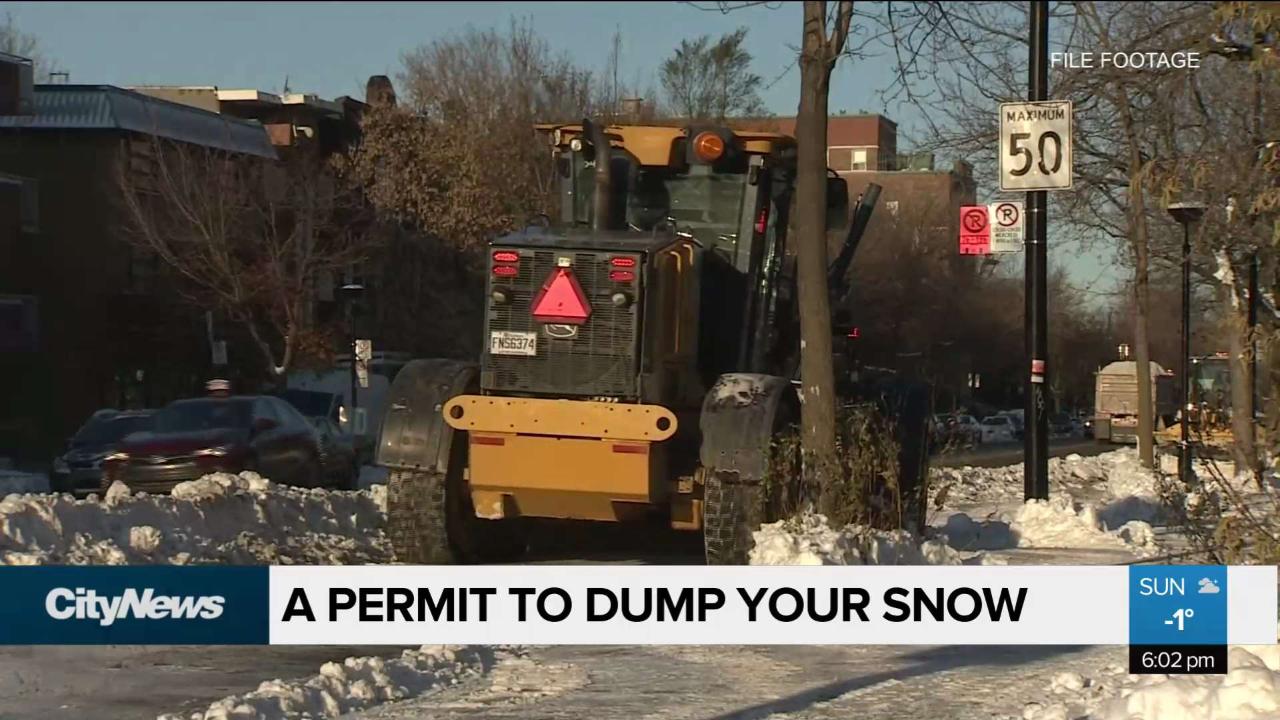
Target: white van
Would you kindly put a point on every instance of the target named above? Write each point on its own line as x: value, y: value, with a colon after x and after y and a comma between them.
x: 370, y: 405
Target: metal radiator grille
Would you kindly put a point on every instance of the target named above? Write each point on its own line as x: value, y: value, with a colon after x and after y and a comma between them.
x: 601, y: 360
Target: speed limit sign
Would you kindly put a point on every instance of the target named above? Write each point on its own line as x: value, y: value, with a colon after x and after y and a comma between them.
x: 1035, y: 146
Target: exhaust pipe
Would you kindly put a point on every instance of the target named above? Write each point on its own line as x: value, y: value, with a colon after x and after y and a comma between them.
x: 602, y: 199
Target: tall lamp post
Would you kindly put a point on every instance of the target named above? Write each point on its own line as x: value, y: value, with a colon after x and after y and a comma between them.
x: 351, y: 293
x: 1186, y: 213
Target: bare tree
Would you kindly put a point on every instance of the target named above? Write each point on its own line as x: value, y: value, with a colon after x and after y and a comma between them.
x: 706, y: 80
x: 243, y: 236
x: 618, y: 100
x: 823, y: 38
x: 459, y: 159
x: 1228, y: 119
x: 1120, y: 115
x: 16, y: 42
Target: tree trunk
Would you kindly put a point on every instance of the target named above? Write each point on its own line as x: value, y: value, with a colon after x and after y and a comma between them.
x: 1242, y: 425
x: 818, y: 414
x: 1141, y: 345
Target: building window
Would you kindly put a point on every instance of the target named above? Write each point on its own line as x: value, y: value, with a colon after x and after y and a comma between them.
x: 19, y: 325
x: 28, y: 201
x: 142, y: 269
x: 839, y: 159
x: 848, y: 159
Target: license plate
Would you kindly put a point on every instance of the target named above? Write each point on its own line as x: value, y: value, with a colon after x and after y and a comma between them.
x: 506, y: 342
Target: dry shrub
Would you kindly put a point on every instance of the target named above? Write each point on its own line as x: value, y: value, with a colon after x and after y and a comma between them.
x: 868, y: 488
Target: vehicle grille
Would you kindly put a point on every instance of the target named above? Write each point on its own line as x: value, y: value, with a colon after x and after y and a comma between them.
x: 139, y: 477
x: 601, y: 360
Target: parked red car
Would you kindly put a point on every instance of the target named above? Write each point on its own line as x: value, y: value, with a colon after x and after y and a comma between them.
x: 191, y: 438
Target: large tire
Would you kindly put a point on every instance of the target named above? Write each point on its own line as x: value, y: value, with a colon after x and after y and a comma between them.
x: 736, y: 505
x: 416, y: 524
x: 731, y: 512
x: 431, y: 521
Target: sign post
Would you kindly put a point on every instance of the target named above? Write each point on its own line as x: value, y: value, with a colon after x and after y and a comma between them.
x: 1035, y: 156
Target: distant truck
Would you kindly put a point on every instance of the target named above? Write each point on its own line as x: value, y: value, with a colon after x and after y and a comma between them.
x: 364, y: 421
x: 1115, y: 417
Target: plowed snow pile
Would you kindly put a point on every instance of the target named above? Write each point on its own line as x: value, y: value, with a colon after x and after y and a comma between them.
x: 809, y: 540
x: 353, y: 684
x: 1126, y: 503
x: 1249, y: 691
x: 220, y: 518
x: 1117, y: 471
x: 1053, y: 523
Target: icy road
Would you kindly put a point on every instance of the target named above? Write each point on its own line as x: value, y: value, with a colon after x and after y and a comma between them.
x: 708, y: 683
x: 565, y: 682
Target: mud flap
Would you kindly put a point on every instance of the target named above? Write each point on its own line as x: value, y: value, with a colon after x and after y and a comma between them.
x: 414, y: 434
x: 737, y: 423
x: 739, y: 417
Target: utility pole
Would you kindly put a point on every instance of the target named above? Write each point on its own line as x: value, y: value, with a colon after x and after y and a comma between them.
x: 1036, y: 438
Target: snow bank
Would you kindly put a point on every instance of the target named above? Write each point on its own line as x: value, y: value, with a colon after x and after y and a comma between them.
x: 12, y: 481
x: 1117, y: 471
x: 353, y: 684
x: 1126, y: 504
x: 1249, y: 691
x: 219, y: 518
x: 1053, y: 523
x: 809, y: 540
x: 1056, y: 523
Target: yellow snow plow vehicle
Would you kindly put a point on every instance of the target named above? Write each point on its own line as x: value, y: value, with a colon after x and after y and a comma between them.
x: 639, y: 354
x: 1209, y: 419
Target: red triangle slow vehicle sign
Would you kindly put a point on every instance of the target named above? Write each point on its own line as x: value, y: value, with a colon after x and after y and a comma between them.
x: 561, y: 299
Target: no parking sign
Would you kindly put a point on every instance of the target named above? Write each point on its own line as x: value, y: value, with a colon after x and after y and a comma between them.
x: 994, y: 228
x: 1007, y: 227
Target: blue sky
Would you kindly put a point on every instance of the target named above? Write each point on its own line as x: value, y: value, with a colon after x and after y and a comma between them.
x: 331, y: 49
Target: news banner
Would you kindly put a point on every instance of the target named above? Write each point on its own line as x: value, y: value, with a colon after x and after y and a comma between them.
x: 1175, y: 619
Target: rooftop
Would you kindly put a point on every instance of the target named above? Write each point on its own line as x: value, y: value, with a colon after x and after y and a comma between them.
x: 247, y: 96
x: 106, y: 107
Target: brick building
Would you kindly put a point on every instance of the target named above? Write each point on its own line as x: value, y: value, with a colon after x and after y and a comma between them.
x: 82, y: 323
x: 911, y: 241
x: 863, y: 149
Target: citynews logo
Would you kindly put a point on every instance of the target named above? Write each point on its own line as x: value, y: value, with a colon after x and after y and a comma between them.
x: 80, y: 604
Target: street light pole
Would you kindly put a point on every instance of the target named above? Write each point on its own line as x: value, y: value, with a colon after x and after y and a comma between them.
x: 1185, y: 214
x: 1036, y: 416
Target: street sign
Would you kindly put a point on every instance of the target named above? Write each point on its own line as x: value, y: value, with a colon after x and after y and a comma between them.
x: 220, y: 352
x: 975, y: 230
x: 1035, y: 146
x: 1008, y: 220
